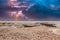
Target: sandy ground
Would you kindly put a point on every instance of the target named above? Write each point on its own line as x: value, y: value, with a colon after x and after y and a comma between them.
x: 29, y: 33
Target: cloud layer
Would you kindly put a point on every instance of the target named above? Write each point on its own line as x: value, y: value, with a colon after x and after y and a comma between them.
x: 31, y: 9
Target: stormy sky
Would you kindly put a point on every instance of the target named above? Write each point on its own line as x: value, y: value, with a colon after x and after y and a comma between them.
x: 22, y: 10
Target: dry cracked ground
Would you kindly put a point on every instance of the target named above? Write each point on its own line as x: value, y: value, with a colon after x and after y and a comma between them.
x: 28, y: 31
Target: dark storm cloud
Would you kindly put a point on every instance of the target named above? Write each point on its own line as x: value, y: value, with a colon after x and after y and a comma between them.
x: 37, y: 12
x: 42, y: 13
x: 2, y: 5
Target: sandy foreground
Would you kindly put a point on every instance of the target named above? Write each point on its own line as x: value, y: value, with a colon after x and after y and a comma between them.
x: 17, y: 31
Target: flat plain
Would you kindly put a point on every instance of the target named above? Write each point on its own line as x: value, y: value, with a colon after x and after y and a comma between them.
x: 29, y: 30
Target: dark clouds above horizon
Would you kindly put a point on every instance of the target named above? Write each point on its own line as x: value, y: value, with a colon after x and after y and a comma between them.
x: 35, y: 10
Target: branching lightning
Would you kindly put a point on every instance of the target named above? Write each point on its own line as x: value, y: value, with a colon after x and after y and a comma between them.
x: 16, y: 14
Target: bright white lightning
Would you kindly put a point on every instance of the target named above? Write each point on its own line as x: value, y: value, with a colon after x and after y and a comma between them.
x: 13, y: 0
x: 14, y: 3
x: 16, y: 15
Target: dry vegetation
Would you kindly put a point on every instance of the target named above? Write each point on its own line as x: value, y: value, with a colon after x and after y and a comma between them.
x: 28, y: 31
